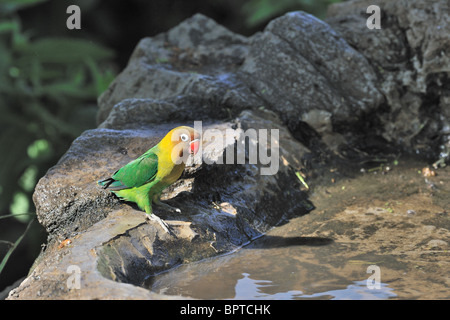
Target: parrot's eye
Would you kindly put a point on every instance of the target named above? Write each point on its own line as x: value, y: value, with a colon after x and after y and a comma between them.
x: 184, y: 137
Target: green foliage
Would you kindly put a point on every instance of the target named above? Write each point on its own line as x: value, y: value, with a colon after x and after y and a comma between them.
x: 48, y: 92
x: 12, y: 245
x: 11, y: 6
x: 260, y: 11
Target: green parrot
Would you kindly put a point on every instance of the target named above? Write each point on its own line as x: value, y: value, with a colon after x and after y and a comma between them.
x: 143, y: 179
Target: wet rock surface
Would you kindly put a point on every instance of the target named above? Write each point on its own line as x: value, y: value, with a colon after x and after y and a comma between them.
x: 330, y: 95
x: 398, y: 221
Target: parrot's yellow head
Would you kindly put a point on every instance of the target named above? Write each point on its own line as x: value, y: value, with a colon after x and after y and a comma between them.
x: 181, y: 141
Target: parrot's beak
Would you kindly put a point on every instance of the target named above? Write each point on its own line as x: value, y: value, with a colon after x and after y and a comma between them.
x: 194, y: 145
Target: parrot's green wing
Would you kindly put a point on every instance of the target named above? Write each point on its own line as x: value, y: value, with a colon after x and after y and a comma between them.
x: 134, y: 174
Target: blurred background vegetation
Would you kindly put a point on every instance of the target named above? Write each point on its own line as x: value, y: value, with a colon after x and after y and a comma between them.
x: 50, y: 78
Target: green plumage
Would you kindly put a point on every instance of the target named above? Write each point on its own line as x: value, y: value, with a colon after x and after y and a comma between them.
x: 138, y: 181
x: 138, y: 172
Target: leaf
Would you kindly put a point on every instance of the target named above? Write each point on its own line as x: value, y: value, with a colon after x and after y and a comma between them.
x: 103, y: 79
x: 68, y: 89
x: 66, y: 50
x: 20, y: 203
x: 302, y: 180
x: 9, y: 26
x: 28, y: 179
x: 9, y: 6
x: 38, y: 148
x: 259, y: 11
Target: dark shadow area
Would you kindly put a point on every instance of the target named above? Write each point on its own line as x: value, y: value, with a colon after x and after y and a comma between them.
x: 270, y: 242
x: 120, y: 25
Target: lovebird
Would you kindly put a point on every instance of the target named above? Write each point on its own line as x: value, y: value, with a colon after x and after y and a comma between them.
x: 142, y: 180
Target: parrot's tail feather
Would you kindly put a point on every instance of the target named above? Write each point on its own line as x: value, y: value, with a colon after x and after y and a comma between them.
x: 105, y: 183
x: 111, y: 184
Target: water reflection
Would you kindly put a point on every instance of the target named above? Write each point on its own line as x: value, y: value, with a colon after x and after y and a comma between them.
x: 356, y: 291
x: 272, y: 267
x: 249, y: 289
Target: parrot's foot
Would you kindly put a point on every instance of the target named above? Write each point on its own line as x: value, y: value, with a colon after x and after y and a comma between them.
x: 161, y: 222
x: 167, y: 207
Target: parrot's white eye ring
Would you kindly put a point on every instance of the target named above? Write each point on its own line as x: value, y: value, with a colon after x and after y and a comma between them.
x: 184, y: 137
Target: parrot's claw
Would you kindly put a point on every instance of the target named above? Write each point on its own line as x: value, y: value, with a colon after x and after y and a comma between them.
x: 167, y: 207
x: 161, y: 222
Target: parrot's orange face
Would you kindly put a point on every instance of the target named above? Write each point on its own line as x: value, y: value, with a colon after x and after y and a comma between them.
x: 182, y: 141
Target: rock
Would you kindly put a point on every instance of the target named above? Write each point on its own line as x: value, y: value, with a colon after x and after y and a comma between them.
x: 72, y: 273
x: 193, y: 65
x: 408, y: 55
x: 437, y: 244
x: 299, y: 64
